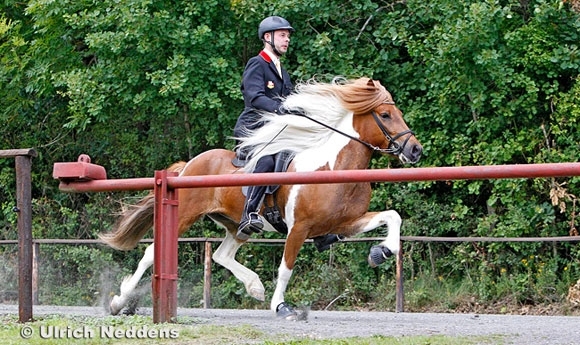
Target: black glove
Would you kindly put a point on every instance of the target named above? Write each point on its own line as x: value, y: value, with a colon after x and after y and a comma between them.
x: 299, y: 112
x: 282, y: 110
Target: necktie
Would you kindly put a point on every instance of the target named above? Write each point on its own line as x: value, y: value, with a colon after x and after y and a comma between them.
x: 277, y: 63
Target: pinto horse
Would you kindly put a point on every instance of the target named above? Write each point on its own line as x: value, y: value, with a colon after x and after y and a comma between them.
x: 338, y: 127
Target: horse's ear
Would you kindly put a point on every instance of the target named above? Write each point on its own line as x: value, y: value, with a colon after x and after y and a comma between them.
x: 370, y: 82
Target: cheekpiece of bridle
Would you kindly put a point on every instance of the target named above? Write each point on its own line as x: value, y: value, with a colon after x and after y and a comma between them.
x: 394, y: 147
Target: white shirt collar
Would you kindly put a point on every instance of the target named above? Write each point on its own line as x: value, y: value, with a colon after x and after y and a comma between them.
x: 272, y: 55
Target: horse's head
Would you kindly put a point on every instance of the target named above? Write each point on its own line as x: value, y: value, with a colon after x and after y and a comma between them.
x: 385, y: 128
x: 398, y: 140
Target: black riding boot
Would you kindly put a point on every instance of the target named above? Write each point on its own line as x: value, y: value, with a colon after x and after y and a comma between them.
x: 251, y: 222
x: 323, y: 242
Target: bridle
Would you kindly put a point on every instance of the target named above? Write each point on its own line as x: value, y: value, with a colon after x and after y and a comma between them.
x: 394, y: 147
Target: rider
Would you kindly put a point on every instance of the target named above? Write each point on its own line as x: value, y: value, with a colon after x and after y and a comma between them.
x: 264, y: 83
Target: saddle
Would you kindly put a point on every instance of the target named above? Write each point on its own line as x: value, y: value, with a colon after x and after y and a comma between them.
x: 271, y: 211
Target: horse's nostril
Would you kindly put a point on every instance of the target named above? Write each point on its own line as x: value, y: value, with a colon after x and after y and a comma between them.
x: 417, y: 149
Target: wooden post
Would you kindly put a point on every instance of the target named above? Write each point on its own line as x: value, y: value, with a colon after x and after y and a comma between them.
x: 165, y: 244
x: 400, y: 294
x: 24, y: 210
x: 23, y: 165
x: 207, y: 277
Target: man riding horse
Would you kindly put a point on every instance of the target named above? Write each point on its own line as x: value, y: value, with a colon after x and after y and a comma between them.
x: 264, y: 83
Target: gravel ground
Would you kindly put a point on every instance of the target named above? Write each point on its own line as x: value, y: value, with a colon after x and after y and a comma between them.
x: 511, y: 329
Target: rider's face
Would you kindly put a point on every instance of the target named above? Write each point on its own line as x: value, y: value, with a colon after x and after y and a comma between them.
x: 281, y: 40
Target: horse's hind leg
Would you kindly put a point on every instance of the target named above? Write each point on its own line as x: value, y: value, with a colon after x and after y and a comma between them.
x: 225, y: 256
x: 130, y: 282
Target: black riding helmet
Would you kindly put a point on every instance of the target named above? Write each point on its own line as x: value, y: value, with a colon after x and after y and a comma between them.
x: 271, y: 24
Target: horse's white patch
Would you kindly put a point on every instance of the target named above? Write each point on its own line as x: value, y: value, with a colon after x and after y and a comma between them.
x: 390, y: 218
x: 291, y: 205
x: 225, y: 256
x: 316, y: 157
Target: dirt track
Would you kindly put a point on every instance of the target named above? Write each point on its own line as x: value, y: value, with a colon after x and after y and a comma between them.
x: 511, y: 329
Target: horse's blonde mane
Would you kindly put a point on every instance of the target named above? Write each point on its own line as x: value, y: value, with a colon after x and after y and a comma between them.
x: 328, y: 103
x: 359, y: 96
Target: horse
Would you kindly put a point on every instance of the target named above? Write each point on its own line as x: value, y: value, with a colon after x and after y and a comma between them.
x: 331, y: 126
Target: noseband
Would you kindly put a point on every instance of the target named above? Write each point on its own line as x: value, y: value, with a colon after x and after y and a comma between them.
x: 394, y: 147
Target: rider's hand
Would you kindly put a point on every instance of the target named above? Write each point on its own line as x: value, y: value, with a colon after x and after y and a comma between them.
x: 282, y: 110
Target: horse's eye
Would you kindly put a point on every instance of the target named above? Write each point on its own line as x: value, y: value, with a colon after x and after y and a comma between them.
x: 385, y: 115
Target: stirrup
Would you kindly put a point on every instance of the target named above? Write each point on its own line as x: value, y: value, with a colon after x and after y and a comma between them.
x: 253, y: 224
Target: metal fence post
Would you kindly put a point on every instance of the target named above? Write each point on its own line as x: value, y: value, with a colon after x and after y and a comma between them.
x: 165, y: 242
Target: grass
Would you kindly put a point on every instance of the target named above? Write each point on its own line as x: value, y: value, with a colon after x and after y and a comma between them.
x: 81, y: 330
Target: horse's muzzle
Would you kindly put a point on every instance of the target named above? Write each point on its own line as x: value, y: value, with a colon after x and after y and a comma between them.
x: 411, y: 154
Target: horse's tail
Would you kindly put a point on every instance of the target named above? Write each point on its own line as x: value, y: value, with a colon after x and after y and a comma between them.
x: 135, y: 220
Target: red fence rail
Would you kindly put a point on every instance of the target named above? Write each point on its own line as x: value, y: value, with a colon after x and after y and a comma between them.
x: 344, y: 176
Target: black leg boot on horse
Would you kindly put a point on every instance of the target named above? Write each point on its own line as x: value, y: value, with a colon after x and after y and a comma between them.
x: 323, y: 242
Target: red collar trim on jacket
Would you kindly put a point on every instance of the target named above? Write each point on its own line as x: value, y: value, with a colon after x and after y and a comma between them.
x: 265, y: 56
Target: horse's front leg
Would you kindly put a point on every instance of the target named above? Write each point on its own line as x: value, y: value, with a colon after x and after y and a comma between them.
x: 390, y: 245
x: 293, y: 244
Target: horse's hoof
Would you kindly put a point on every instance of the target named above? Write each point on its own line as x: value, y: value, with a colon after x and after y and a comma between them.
x: 285, y: 311
x: 378, y: 255
x: 130, y: 311
x: 258, y: 294
x: 114, y: 307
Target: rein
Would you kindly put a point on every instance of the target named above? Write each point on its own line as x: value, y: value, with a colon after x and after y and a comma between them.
x: 394, y: 148
x: 372, y: 147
